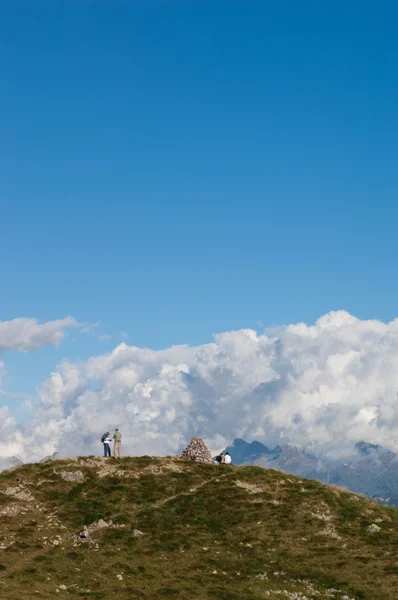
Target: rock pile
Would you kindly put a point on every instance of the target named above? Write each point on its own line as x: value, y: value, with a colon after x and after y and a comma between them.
x: 197, y: 451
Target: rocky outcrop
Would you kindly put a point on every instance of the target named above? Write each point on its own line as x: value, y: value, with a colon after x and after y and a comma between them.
x: 19, y: 492
x: 197, y: 451
x: 12, y: 510
x: 86, y: 535
x: 72, y: 476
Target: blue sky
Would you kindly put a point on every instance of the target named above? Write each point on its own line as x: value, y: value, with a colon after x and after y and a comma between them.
x: 172, y: 169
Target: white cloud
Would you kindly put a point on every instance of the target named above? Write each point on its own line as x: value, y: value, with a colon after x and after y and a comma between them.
x: 105, y: 337
x: 326, y: 386
x: 27, y: 335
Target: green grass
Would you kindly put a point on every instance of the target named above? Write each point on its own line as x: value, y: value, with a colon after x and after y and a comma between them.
x: 205, y: 537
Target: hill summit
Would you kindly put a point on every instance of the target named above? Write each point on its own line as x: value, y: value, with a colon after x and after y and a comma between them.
x: 148, y: 528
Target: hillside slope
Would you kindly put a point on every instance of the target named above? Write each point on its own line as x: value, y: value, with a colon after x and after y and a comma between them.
x: 368, y: 468
x: 177, y: 529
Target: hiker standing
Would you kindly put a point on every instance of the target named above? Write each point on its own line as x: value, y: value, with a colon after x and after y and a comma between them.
x: 107, y: 440
x: 117, y: 447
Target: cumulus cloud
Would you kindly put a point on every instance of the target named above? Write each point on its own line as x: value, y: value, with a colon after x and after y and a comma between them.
x: 27, y: 335
x: 324, y: 387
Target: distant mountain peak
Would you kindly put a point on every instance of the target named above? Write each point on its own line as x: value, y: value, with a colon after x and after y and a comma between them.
x: 366, y: 449
x: 51, y: 457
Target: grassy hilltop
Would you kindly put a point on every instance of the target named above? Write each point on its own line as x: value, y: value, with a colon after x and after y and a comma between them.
x: 180, y: 530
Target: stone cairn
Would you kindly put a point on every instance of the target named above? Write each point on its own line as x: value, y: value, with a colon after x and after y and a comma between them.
x: 197, y: 451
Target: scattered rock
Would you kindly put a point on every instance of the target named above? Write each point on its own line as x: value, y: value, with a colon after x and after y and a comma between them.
x: 171, y: 466
x: 374, y: 528
x: 250, y: 488
x: 84, y: 536
x: 72, y: 476
x: 330, y: 531
x: 154, y: 469
x: 322, y: 516
x: 100, y: 525
x: 120, y: 577
x: 137, y: 533
x: 197, y: 451
x: 19, y: 492
x: 15, y: 509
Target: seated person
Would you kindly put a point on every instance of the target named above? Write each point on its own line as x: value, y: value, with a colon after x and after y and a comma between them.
x: 220, y: 458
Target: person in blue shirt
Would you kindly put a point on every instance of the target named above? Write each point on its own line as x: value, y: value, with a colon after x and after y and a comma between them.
x: 107, y: 440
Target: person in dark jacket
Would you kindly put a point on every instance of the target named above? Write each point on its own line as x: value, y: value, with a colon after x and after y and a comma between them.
x: 107, y: 440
